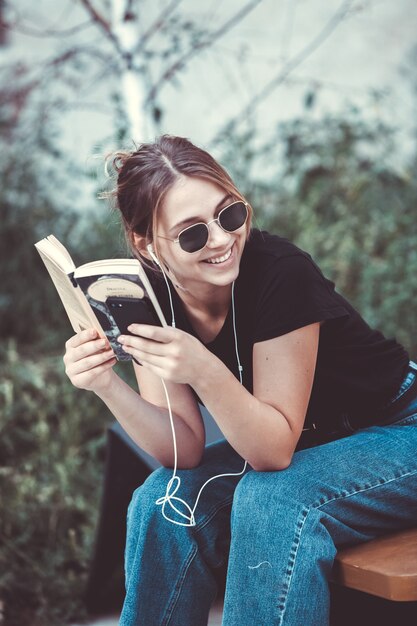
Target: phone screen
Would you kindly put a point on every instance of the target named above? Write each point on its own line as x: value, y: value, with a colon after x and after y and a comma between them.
x: 126, y: 311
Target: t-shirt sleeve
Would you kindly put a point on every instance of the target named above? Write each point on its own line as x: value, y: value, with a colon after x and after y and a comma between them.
x: 294, y: 293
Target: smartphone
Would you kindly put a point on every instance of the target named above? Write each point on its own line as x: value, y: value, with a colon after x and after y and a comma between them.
x: 126, y: 311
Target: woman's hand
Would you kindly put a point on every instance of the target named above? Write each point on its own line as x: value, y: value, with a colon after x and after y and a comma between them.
x: 170, y: 353
x: 89, y: 360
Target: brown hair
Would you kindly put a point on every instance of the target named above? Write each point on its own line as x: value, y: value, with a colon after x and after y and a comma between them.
x: 146, y: 174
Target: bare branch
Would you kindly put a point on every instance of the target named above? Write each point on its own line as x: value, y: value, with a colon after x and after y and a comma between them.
x: 158, y: 23
x: 34, y: 32
x: 293, y: 63
x: 26, y: 80
x: 199, y: 46
x: 104, y: 25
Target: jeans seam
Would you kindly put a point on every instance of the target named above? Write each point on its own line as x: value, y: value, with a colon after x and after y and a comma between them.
x: 362, y: 489
x: 221, y: 505
x: 300, y: 526
x: 189, y: 560
x: 181, y: 578
x: 291, y: 563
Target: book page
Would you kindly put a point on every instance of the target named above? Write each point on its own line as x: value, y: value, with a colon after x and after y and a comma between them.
x: 62, y: 249
x: 107, y: 266
x: 50, y: 248
x: 73, y: 299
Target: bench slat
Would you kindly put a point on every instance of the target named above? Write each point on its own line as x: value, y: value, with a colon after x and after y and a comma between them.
x: 385, y: 567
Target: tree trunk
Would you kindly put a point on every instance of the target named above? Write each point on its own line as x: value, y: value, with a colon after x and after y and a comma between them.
x: 125, y: 27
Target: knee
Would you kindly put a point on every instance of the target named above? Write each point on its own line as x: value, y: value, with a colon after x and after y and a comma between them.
x: 143, y: 501
x: 272, y: 506
x: 269, y: 493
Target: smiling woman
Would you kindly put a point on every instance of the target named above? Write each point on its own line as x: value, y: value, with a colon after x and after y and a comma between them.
x: 319, y: 408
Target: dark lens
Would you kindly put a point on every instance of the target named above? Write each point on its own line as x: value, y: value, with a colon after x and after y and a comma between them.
x: 233, y: 217
x: 193, y: 238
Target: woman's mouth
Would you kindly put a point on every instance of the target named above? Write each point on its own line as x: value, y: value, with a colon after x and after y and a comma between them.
x: 220, y: 259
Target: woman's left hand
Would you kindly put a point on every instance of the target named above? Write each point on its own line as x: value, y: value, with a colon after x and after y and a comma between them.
x: 168, y: 352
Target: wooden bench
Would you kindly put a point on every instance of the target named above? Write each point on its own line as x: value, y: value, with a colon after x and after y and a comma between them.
x: 385, y: 567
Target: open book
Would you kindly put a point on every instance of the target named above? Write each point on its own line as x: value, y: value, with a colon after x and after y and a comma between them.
x: 106, y: 295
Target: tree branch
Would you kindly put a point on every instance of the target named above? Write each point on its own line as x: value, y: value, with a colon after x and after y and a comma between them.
x: 296, y: 61
x: 158, y: 23
x: 199, y: 46
x: 103, y: 24
x: 34, y: 32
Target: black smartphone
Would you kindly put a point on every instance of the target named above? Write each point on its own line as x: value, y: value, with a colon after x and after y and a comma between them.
x: 126, y: 311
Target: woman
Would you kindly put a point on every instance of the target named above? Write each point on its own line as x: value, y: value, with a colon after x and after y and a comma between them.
x: 325, y: 416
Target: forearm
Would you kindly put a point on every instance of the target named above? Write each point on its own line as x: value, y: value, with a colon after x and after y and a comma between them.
x: 149, y: 426
x: 258, y: 432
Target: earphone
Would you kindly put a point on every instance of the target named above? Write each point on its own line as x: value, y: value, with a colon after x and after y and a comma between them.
x: 152, y: 254
x: 174, y: 483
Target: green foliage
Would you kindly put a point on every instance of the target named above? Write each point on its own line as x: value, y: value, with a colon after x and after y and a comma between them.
x: 51, y: 451
x: 34, y: 201
x: 334, y: 187
x: 41, y: 193
x: 51, y: 434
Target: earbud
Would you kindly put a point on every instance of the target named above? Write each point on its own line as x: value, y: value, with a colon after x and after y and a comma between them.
x: 152, y: 254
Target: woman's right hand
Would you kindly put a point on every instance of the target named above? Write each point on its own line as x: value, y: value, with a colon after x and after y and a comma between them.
x: 89, y: 360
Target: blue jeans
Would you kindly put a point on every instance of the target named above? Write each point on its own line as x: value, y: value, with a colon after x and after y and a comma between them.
x: 279, y: 531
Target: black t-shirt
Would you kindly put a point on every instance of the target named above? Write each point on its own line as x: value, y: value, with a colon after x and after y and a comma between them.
x: 280, y: 289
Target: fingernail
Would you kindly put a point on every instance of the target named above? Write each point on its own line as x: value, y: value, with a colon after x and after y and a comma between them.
x: 121, y: 338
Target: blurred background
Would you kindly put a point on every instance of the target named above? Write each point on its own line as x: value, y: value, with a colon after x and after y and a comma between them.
x: 311, y: 106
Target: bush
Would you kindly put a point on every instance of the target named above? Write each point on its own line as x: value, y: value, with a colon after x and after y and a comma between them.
x: 339, y: 189
x: 51, y: 450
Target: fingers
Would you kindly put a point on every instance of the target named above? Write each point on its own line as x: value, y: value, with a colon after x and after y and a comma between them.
x: 90, y: 362
x: 82, y: 337
x: 148, y: 341
x: 144, y: 346
x: 82, y: 346
x: 148, y: 360
x: 156, y: 333
x: 91, y: 378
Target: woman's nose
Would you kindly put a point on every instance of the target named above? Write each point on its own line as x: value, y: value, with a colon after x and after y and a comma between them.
x: 217, y: 236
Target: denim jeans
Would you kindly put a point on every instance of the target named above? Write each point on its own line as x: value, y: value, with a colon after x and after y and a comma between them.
x: 279, y: 531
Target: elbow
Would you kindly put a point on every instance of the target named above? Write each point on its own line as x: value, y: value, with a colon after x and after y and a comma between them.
x: 272, y: 464
x: 187, y: 466
x: 188, y: 461
x: 181, y: 466
x: 269, y: 467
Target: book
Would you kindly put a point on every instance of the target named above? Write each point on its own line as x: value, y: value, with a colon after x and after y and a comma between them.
x: 107, y: 295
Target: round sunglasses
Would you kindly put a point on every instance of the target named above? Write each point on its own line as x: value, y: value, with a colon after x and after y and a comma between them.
x: 195, y: 237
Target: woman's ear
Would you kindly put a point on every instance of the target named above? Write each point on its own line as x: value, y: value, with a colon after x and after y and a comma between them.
x: 138, y: 242
x: 145, y: 250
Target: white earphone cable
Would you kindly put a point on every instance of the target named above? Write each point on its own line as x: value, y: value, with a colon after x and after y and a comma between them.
x: 170, y: 299
x: 175, y: 482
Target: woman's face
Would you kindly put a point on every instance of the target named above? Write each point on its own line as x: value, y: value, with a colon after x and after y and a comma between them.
x: 192, y: 200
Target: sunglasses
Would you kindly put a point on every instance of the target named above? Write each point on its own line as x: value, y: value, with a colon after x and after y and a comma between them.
x: 195, y: 237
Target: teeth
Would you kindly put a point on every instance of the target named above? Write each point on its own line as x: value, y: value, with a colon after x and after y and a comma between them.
x: 221, y: 259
